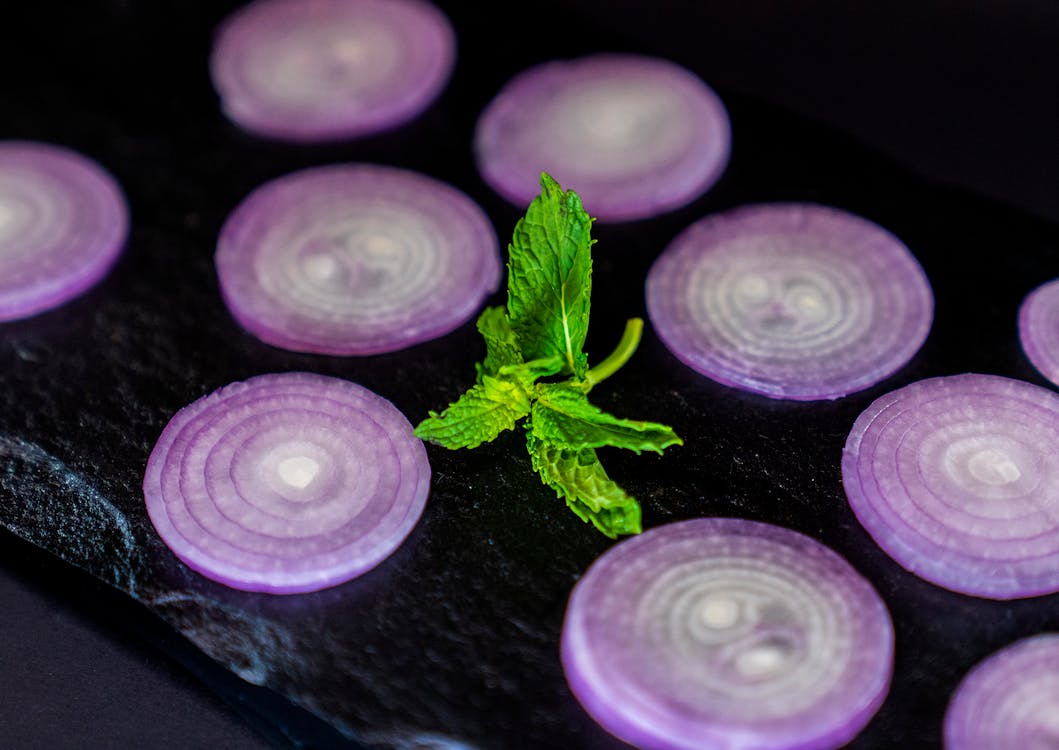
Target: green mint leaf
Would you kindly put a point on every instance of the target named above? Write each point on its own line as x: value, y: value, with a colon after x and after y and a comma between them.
x: 562, y: 414
x: 579, y: 478
x: 550, y: 278
x: 528, y: 372
x: 501, y: 344
x: 478, y: 416
x: 488, y: 408
x: 542, y: 333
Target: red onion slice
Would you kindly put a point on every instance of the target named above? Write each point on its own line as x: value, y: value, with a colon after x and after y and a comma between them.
x: 355, y: 259
x: 1039, y: 329
x: 635, y: 136
x: 957, y: 479
x: 724, y: 633
x: 792, y: 301
x: 1009, y: 701
x: 63, y: 223
x: 286, y: 483
x: 317, y: 70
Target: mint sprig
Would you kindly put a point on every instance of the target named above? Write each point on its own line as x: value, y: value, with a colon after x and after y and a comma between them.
x: 542, y: 334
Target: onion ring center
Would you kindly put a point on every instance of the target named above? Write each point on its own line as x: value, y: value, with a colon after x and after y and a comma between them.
x: 28, y: 214
x: 765, y: 659
x: 628, y: 124
x: 719, y: 612
x: 990, y: 468
x: 341, y: 61
x: 354, y: 262
x: 993, y: 467
x: 347, y: 52
x: 620, y: 117
x: 793, y: 304
x: 298, y: 471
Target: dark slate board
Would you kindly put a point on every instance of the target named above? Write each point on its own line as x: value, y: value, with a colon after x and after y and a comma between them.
x: 452, y: 642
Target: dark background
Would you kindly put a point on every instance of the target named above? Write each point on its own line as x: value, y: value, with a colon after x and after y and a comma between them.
x: 958, y: 102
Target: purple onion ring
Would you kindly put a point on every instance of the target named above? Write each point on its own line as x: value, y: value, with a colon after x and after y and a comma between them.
x: 635, y: 136
x: 319, y: 70
x: 724, y: 633
x: 792, y: 301
x: 355, y: 259
x: 286, y: 483
x: 957, y: 479
x: 1039, y: 329
x: 63, y: 224
x: 1009, y: 701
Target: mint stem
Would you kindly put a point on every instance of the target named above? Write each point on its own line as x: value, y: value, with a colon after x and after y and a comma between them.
x: 630, y: 339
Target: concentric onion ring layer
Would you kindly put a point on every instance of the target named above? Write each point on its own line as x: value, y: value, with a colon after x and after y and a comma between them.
x: 63, y: 223
x: 1010, y: 700
x: 315, y: 70
x: 957, y: 478
x: 286, y: 483
x: 727, y: 633
x: 355, y: 259
x: 1039, y: 329
x: 792, y: 301
x: 634, y: 136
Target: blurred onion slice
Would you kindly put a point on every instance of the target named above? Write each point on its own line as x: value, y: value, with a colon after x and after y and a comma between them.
x: 957, y: 479
x: 792, y: 301
x: 1039, y: 329
x: 63, y: 224
x: 1009, y: 701
x: 724, y: 633
x: 355, y: 259
x: 286, y: 483
x: 317, y: 70
x: 634, y: 136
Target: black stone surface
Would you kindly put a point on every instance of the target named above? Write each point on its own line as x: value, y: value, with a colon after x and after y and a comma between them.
x: 453, y: 642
